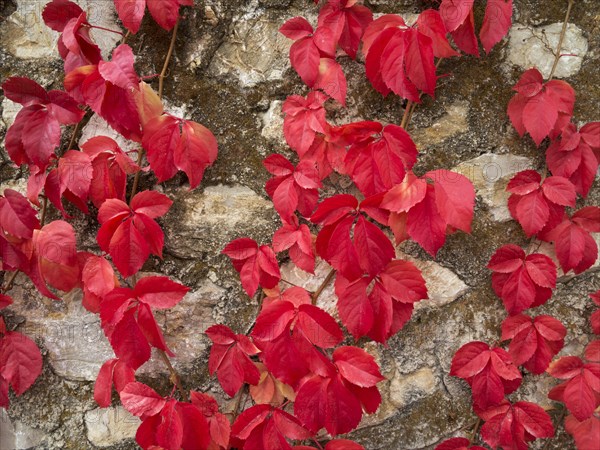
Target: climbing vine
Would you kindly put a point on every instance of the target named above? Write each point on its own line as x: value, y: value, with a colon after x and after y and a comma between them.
x: 303, y: 382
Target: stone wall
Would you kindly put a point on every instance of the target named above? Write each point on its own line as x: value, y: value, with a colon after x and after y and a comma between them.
x: 231, y: 73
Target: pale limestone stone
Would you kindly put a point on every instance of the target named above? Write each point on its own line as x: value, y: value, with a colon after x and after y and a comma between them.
x: 76, y: 344
x: 25, y: 35
x: 109, y: 426
x: 490, y: 174
x: 535, y: 47
x: 254, y: 52
x: 443, y: 285
x: 272, y: 121
x: 10, y: 110
x: 17, y: 435
x: 184, y: 325
x: 408, y: 389
x: 449, y: 125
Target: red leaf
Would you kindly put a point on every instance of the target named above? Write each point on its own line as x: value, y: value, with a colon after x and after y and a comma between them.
x: 169, y: 432
x: 229, y: 358
x: 24, y: 91
x: 141, y: 400
x: 343, y: 444
x: 304, y: 118
x: 455, y: 198
x: 305, y: 59
x: 496, y: 22
x: 580, y: 391
x: 103, y: 385
x: 583, y: 432
x: 197, y: 149
x: 575, y: 247
x: 357, y: 366
x: 419, y: 63
x: 196, y: 431
x: 17, y: 217
x: 403, y: 196
x: 425, y: 224
x: 20, y: 361
x: 373, y: 247
x: 159, y: 292
x: 128, y: 342
x: 513, y: 425
x: 331, y: 80
x: 454, y: 12
x: 540, y: 111
x: 490, y: 372
x: 296, y: 28
x: 464, y: 36
x: 355, y: 309
x: 534, y: 342
x: 5, y: 301
x: 430, y: 23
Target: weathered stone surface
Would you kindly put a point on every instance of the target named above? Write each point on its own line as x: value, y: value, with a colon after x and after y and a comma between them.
x: 534, y: 47
x: 212, y: 217
x: 75, y: 342
x: 25, y: 35
x: 109, y: 426
x: 230, y: 72
x: 254, y: 52
x: 443, y: 285
x: 272, y: 121
x: 408, y: 389
x: 490, y: 173
x: 16, y: 435
x: 453, y: 122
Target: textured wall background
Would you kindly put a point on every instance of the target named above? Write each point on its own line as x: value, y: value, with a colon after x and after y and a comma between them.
x: 231, y: 73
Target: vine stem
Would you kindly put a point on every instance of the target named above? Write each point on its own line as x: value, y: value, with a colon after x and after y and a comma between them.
x: 7, y: 287
x: 243, y: 392
x: 474, y: 431
x: 161, y: 80
x: 563, y: 32
x: 106, y: 29
x: 163, y: 72
x: 324, y: 284
x: 410, y: 105
x: 73, y: 136
x: 136, y: 178
x: 175, y: 379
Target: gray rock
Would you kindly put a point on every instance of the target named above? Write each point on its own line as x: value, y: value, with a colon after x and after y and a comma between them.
x: 25, y: 35
x: 254, y: 52
x: 490, y: 173
x: 109, y: 426
x: 534, y: 47
x: 17, y: 435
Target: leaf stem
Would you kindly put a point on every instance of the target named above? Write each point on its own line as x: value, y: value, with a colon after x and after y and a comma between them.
x: 175, y: 379
x: 8, y: 286
x: 238, y: 401
x: 406, y: 115
x: 410, y: 105
x: 73, y: 136
x: 324, y: 284
x: 558, y: 55
x: 136, y: 178
x: 106, y: 29
x: 161, y: 77
x: 474, y: 431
